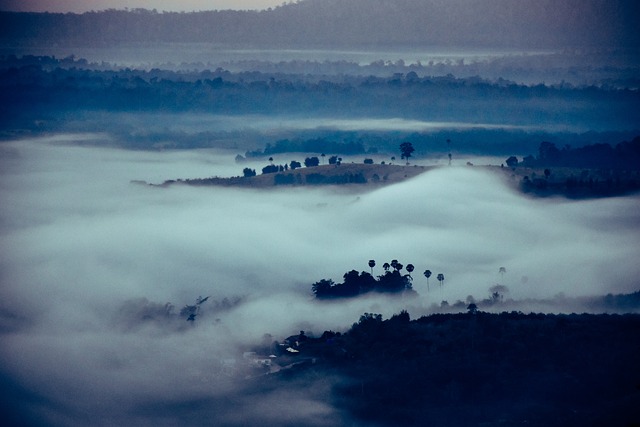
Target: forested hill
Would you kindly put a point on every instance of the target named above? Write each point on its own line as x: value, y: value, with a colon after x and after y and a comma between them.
x: 474, y: 369
x: 39, y: 86
x: 349, y: 23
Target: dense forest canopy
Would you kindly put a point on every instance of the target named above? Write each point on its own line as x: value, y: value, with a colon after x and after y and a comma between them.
x: 44, y: 88
x: 476, y: 368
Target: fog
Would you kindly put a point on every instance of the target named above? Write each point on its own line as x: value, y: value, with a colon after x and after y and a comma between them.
x: 89, y: 259
x: 210, y: 56
x: 275, y: 123
x: 392, y: 124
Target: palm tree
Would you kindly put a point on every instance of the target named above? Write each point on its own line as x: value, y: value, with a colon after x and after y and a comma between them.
x: 427, y: 274
x: 410, y: 269
x: 398, y: 267
x: 386, y: 266
x: 372, y: 263
x: 440, y: 278
x: 394, y: 264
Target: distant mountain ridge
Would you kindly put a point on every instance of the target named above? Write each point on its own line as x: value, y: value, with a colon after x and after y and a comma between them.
x: 554, y: 24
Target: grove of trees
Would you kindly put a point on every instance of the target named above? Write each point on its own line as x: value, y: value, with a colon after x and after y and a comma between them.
x: 623, y: 156
x: 354, y: 284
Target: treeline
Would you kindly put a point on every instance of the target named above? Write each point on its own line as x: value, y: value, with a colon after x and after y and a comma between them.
x: 564, y: 70
x: 309, y: 162
x: 361, y: 283
x: 344, y: 23
x: 595, y: 170
x: 433, y: 145
x: 623, y: 156
x: 477, y: 368
x: 313, y: 145
x: 282, y: 177
x: 40, y: 90
x: 354, y: 284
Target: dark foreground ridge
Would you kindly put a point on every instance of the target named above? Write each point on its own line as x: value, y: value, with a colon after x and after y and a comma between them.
x: 471, y: 369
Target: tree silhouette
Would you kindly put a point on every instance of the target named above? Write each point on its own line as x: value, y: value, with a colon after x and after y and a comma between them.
x: 323, y: 156
x: 386, y: 266
x: 410, y: 268
x: 427, y: 274
x: 406, y: 148
x: 270, y: 169
x: 351, y: 284
x: 440, y: 278
x: 394, y: 263
x: 372, y: 263
x: 355, y: 284
x: 512, y: 161
x: 323, y: 288
x: 472, y: 308
x: 295, y: 165
x: 311, y: 162
x: 393, y: 282
x: 502, y: 270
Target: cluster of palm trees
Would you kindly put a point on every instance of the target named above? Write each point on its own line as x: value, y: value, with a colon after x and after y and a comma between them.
x: 396, y: 266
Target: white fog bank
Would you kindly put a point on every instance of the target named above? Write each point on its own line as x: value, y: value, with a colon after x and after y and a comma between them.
x: 84, y: 252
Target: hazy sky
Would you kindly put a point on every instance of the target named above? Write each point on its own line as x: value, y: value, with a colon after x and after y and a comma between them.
x: 80, y: 6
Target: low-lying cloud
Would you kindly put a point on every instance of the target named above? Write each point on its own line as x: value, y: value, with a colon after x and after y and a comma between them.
x: 90, y: 260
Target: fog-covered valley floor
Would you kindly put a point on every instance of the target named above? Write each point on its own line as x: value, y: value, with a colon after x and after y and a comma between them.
x: 89, y: 260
